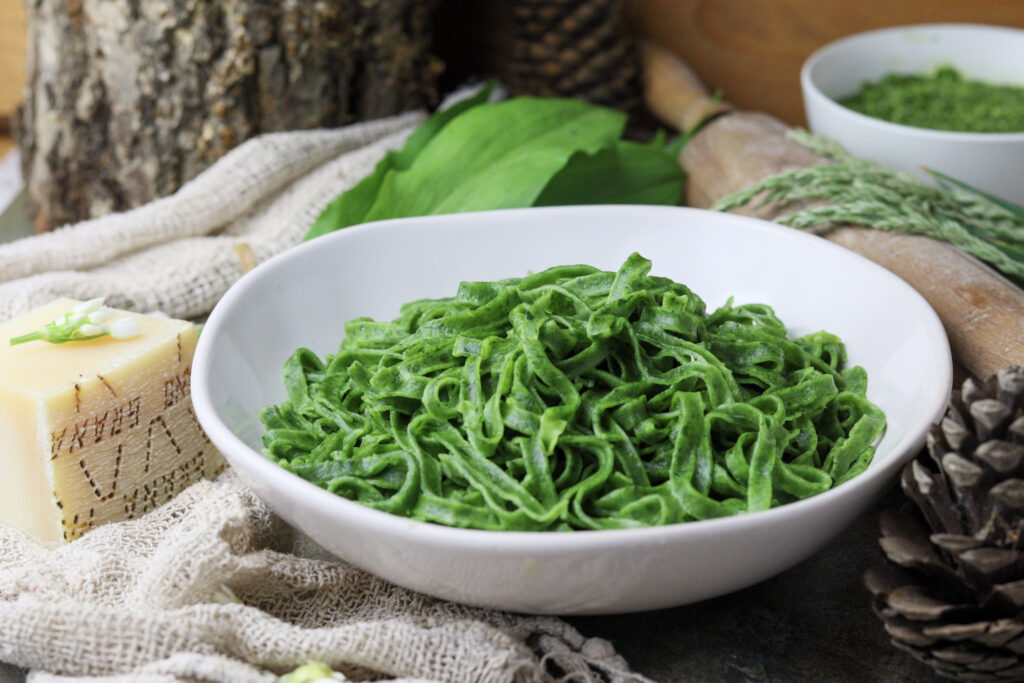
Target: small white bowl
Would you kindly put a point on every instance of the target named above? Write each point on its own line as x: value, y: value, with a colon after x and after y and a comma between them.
x: 304, y: 296
x: 990, y: 161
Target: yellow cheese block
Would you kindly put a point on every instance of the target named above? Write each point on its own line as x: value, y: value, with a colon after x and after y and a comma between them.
x: 96, y: 431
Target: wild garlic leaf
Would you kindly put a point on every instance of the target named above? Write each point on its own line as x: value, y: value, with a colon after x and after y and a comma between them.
x: 351, y: 207
x: 495, y: 156
x: 525, y: 151
x: 625, y: 173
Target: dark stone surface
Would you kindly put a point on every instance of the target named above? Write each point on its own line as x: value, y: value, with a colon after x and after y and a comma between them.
x: 811, y: 623
x: 11, y: 674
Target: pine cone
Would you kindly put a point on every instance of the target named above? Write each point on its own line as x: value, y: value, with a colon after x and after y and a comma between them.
x: 954, y: 593
x: 573, y: 48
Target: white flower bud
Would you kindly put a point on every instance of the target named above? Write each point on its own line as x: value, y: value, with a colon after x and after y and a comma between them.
x: 222, y: 595
x: 96, y: 317
x: 89, y: 330
x: 89, y: 306
x: 124, y: 328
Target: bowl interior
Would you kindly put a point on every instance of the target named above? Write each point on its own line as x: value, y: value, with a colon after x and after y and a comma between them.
x: 993, y: 162
x: 988, y: 53
x: 304, y: 297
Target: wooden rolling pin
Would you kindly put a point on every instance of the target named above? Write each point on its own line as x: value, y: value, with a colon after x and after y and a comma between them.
x: 982, y: 311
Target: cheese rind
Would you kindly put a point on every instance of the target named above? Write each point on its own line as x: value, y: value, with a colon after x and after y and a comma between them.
x: 96, y: 431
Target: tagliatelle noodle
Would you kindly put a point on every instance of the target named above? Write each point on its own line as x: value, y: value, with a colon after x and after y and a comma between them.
x: 574, y: 398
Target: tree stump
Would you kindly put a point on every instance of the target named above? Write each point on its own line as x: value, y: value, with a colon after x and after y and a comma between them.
x: 128, y: 99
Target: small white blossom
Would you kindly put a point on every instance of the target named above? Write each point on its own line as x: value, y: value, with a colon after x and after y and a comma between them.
x: 124, y: 328
x: 101, y: 315
x: 313, y: 672
x: 222, y: 595
x: 87, y: 320
x: 89, y: 306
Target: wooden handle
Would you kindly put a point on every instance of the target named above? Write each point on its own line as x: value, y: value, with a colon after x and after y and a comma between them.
x: 672, y: 90
x: 982, y: 311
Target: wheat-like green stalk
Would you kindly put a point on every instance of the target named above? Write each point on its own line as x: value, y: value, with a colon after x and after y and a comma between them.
x: 859, y: 192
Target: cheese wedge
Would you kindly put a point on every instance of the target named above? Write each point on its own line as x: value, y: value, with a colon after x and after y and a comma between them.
x: 96, y: 431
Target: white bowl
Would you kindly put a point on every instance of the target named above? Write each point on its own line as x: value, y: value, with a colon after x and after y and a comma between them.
x: 989, y: 161
x: 304, y: 296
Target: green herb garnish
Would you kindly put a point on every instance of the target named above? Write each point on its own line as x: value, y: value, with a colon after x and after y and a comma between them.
x: 574, y: 399
x: 526, y: 151
x: 852, y: 191
x: 942, y: 100
x: 84, y: 322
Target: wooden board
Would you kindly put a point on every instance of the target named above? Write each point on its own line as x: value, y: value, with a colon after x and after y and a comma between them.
x: 753, y: 49
x: 13, y: 41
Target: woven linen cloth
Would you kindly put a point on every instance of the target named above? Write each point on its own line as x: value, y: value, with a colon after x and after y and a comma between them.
x: 212, y: 586
x: 179, y: 254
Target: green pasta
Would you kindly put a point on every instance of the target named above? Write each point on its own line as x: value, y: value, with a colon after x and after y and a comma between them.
x: 574, y: 398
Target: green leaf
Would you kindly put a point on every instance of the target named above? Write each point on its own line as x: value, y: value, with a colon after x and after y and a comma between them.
x: 426, y: 132
x: 626, y: 173
x: 496, y: 156
x: 351, y: 207
x: 1016, y: 209
x: 521, y: 152
x: 675, y: 148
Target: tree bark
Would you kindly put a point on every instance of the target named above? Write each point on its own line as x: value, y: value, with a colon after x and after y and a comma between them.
x: 128, y: 99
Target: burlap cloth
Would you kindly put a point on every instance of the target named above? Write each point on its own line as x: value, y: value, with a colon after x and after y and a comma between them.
x: 213, y: 587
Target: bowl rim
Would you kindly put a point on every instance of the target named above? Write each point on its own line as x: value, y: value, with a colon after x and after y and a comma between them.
x: 539, y: 542
x: 811, y: 91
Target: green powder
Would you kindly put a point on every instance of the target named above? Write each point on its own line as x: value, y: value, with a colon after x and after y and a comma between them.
x: 943, y: 100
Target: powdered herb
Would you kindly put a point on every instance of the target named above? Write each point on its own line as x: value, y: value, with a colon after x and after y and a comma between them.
x: 942, y: 100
